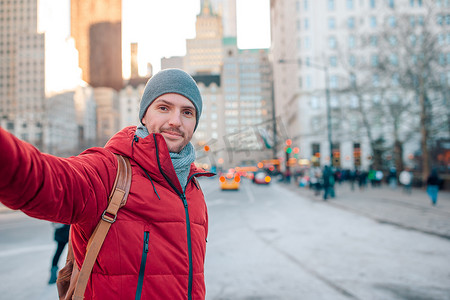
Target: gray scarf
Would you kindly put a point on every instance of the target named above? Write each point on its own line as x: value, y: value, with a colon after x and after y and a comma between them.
x: 181, y: 161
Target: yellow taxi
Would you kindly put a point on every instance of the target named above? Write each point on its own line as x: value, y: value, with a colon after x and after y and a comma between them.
x: 230, y: 181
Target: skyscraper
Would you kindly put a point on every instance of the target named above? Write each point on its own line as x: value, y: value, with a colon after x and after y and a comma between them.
x: 205, y: 51
x: 96, y: 28
x: 22, y: 64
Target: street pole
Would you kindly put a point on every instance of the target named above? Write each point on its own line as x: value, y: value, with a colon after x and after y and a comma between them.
x: 327, y: 97
x: 274, y: 122
x: 324, y: 68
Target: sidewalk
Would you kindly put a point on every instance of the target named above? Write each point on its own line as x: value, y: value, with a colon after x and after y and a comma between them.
x: 411, y: 211
x: 4, y: 209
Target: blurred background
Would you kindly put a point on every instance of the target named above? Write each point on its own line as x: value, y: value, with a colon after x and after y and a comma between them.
x: 355, y: 84
x: 303, y: 101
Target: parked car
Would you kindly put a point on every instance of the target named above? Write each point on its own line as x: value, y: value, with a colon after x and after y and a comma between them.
x: 230, y: 181
x: 261, y: 178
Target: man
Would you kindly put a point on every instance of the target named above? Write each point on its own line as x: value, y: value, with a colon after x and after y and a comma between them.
x: 328, y: 183
x: 159, y: 237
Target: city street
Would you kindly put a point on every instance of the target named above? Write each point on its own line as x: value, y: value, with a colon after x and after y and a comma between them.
x: 282, y: 242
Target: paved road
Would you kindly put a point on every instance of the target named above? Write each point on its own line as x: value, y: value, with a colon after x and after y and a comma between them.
x: 385, y: 205
x: 270, y: 242
x: 279, y: 242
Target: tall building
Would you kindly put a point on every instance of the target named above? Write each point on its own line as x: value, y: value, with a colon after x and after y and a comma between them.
x: 247, y: 88
x: 22, y: 69
x: 227, y: 10
x: 61, y: 127
x: 323, y: 50
x: 130, y: 96
x: 236, y: 87
x: 96, y: 29
x: 204, y: 53
x: 108, y: 114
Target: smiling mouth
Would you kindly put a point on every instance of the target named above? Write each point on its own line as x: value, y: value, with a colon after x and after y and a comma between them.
x: 174, y: 134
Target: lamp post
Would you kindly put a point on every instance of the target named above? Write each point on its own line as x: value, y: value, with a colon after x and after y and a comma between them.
x: 324, y: 68
x: 274, y: 122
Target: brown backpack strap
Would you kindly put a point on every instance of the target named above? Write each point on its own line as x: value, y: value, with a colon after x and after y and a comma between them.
x: 117, y: 199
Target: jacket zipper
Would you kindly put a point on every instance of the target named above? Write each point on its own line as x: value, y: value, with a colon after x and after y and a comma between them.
x: 188, y: 224
x: 142, y: 267
x: 186, y: 211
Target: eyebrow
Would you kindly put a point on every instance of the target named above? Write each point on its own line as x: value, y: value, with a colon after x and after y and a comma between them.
x: 191, y: 106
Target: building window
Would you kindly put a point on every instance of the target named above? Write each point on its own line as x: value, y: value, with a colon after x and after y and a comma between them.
x: 333, y: 61
x: 330, y: 4
x: 307, y: 43
x: 351, y: 22
x: 391, y: 3
x: 392, y: 21
x: 375, y: 80
x: 306, y: 24
x: 413, y: 39
x: 349, y: 4
x: 395, y: 79
x: 374, y: 40
x: 393, y: 40
x: 374, y: 60
x: 420, y: 20
x: 352, y: 80
x: 352, y: 60
x: 305, y: 4
x: 332, y: 43
x: 331, y: 23
x: 334, y: 82
x: 372, y: 3
x: 308, y: 81
x: 334, y: 101
x: 373, y: 21
x: 314, y: 102
x: 351, y: 41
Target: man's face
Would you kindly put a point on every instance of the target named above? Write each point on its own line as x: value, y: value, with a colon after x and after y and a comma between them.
x: 173, y: 116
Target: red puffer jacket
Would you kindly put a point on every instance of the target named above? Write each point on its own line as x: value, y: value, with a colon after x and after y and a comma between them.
x: 156, y: 247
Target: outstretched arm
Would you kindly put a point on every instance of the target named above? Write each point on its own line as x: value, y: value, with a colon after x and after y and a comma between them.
x: 64, y: 190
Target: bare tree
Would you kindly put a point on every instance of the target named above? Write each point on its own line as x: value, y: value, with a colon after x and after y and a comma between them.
x: 401, y: 77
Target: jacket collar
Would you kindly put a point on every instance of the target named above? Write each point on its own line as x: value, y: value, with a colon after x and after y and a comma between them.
x: 152, y: 154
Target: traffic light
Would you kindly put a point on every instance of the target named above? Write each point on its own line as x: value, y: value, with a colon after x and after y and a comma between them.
x: 206, y: 148
x: 288, y: 142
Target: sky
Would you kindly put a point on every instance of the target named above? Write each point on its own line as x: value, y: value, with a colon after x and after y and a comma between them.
x: 159, y: 27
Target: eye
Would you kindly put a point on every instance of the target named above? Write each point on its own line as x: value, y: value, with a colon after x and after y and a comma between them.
x: 163, y: 108
x: 189, y: 113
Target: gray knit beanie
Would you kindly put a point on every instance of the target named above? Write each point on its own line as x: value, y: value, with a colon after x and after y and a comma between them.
x: 171, y: 81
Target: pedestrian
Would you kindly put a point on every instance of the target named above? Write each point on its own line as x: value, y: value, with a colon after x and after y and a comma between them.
x: 315, y: 184
x: 159, y: 236
x: 371, y: 176
x: 328, y: 183
x: 405, y: 179
x: 352, y: 178
x: 433, y: 183
x: 392, y: 178
x: 61, y: 237
x: 378, y: 177
x: 362, y: 179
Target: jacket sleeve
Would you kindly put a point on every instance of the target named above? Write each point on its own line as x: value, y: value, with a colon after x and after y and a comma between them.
x: 64, y: 190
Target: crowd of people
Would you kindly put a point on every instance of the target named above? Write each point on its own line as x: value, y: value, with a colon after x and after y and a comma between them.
x: 323, y: 180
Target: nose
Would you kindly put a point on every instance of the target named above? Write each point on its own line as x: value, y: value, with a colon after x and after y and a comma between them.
x: 175, y: 118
